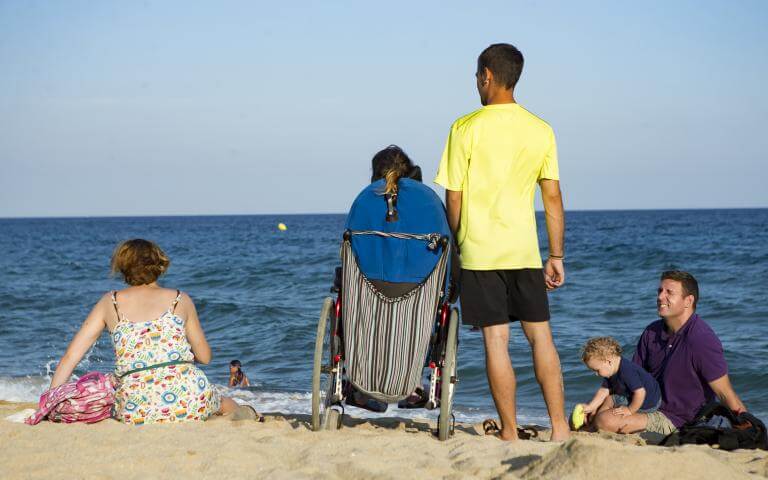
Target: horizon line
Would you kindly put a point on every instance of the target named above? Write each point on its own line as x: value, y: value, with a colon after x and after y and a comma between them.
x: 183, y: 215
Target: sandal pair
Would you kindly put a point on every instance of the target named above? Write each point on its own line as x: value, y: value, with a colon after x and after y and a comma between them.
x: 490, y: 427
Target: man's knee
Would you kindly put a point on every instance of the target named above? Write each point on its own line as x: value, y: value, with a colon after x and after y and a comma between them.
x: 496, y: 337
x: 538, y: 334
x: 605, y: 421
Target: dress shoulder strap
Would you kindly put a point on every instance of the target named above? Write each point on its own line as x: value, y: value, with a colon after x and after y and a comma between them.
x: 114, y: 303
x: 176, y: 301
x: 120, y: 317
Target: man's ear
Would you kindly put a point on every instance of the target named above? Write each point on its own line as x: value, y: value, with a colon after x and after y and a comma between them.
x: 487, y: 75
x: 689, y: 301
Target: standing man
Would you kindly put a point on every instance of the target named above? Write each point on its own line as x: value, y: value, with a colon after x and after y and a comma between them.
x: 493, y: 160
x: 685, y: 356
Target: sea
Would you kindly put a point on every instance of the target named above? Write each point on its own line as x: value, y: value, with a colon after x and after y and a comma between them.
x: 259, y: 290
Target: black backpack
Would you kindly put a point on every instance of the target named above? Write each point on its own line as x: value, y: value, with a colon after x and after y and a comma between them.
x: 747, y: 431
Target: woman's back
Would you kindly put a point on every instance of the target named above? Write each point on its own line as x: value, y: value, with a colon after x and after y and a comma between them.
x: 154, y: 361
x: 159, y: 340
x: 145, y: 304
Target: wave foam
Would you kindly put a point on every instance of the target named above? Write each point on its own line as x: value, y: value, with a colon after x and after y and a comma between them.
x: 23, y: 389
x: 29, y: 389
x: 267, y: 401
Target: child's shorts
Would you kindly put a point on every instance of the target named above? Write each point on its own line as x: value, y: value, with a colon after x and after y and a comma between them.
x: 622, y: 401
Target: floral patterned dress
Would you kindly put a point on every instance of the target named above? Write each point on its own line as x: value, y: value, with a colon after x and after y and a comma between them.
x: 158, y: 380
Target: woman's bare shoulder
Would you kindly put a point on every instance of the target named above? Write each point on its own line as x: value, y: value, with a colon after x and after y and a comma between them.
x: 186, y: 304
x: 105, y: 301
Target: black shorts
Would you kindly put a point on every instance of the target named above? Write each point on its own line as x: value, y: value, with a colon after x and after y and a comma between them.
x: 494, y: 297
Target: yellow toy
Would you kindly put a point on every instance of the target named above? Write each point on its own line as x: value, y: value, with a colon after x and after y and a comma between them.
x: 578, y: 416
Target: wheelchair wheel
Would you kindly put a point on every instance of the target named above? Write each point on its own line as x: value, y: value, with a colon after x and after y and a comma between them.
x: 448, y: 378
x: 321, y: 381
x: 331, y: 419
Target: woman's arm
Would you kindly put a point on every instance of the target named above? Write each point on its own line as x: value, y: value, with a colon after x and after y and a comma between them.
x: 245, y: 383
x: 84, y: 339
x: 194, y: 331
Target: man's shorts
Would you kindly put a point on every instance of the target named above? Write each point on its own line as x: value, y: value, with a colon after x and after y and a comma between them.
x: 659, y: 423
x: 494, y: 297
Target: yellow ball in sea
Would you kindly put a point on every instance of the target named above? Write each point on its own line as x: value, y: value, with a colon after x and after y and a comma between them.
x: 282, y: 227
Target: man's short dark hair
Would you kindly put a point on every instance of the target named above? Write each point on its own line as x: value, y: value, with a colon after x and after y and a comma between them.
x: 505, y: 61
x: 690, y: 285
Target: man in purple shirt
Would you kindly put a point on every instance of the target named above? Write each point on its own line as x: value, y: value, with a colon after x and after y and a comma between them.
x: 684, y: 355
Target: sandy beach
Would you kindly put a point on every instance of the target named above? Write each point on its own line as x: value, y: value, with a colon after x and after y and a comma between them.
x: 285, y: 447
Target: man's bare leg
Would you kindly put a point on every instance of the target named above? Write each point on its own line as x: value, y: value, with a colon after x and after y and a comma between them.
x: 546, y: 364
x: 606, y: 405
x: 501, y: 377
x: 611, y: 422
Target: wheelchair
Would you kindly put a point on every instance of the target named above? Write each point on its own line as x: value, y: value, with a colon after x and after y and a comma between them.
x: 393, y: 315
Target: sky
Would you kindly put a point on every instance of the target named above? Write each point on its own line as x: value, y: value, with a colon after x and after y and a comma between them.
x: 196, y: 108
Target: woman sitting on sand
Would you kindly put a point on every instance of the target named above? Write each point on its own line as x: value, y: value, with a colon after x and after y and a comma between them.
x: 157, y: 338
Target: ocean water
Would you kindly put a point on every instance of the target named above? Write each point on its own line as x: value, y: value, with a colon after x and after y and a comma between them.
x: 259, y: 290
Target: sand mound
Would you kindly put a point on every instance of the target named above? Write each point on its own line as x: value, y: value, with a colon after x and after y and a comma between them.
x: 592, y: 458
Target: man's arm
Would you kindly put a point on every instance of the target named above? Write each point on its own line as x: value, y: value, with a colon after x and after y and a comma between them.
x: 724, y: 391
x: 453, y: 208
x: 554, y: 271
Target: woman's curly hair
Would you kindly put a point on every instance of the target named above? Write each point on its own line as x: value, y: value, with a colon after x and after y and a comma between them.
x: 139, y: 261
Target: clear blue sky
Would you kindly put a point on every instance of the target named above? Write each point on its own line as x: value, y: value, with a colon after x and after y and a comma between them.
x: 153, y: 108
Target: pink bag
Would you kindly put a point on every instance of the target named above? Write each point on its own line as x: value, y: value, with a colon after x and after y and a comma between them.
x: 88, y: 400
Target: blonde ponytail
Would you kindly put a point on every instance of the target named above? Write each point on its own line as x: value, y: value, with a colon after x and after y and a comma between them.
x: 398, y: 170
x: 391, y: 179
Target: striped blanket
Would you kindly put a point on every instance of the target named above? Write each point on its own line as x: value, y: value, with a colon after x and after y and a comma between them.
x: 386, y: 339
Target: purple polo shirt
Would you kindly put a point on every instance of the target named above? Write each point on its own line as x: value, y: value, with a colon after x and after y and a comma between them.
x: 683, y: 363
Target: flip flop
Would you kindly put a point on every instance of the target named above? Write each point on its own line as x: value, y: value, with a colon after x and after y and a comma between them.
x: 490, y: 427
x: 527, y: 432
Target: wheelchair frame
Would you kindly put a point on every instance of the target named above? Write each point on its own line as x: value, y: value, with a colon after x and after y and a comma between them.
x: 328, y: 368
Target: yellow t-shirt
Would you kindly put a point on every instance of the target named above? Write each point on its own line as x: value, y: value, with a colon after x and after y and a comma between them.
x: 495, y: 156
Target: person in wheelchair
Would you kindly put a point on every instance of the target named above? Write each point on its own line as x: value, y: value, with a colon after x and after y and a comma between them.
x: 395, y: 267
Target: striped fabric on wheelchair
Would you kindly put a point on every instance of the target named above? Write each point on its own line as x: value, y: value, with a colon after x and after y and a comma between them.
x: 386, y: 339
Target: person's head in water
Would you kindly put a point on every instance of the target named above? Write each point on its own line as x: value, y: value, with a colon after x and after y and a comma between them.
x: 237, y: 377
x: 498, y: 70
x: 139, y: 261
x: 392, y: 164
x: 235, y: 366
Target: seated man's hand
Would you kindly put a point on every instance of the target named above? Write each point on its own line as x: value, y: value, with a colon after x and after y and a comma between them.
x: 622, y: 411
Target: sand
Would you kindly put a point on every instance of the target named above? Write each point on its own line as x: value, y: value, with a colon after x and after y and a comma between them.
x: 285, y: 447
